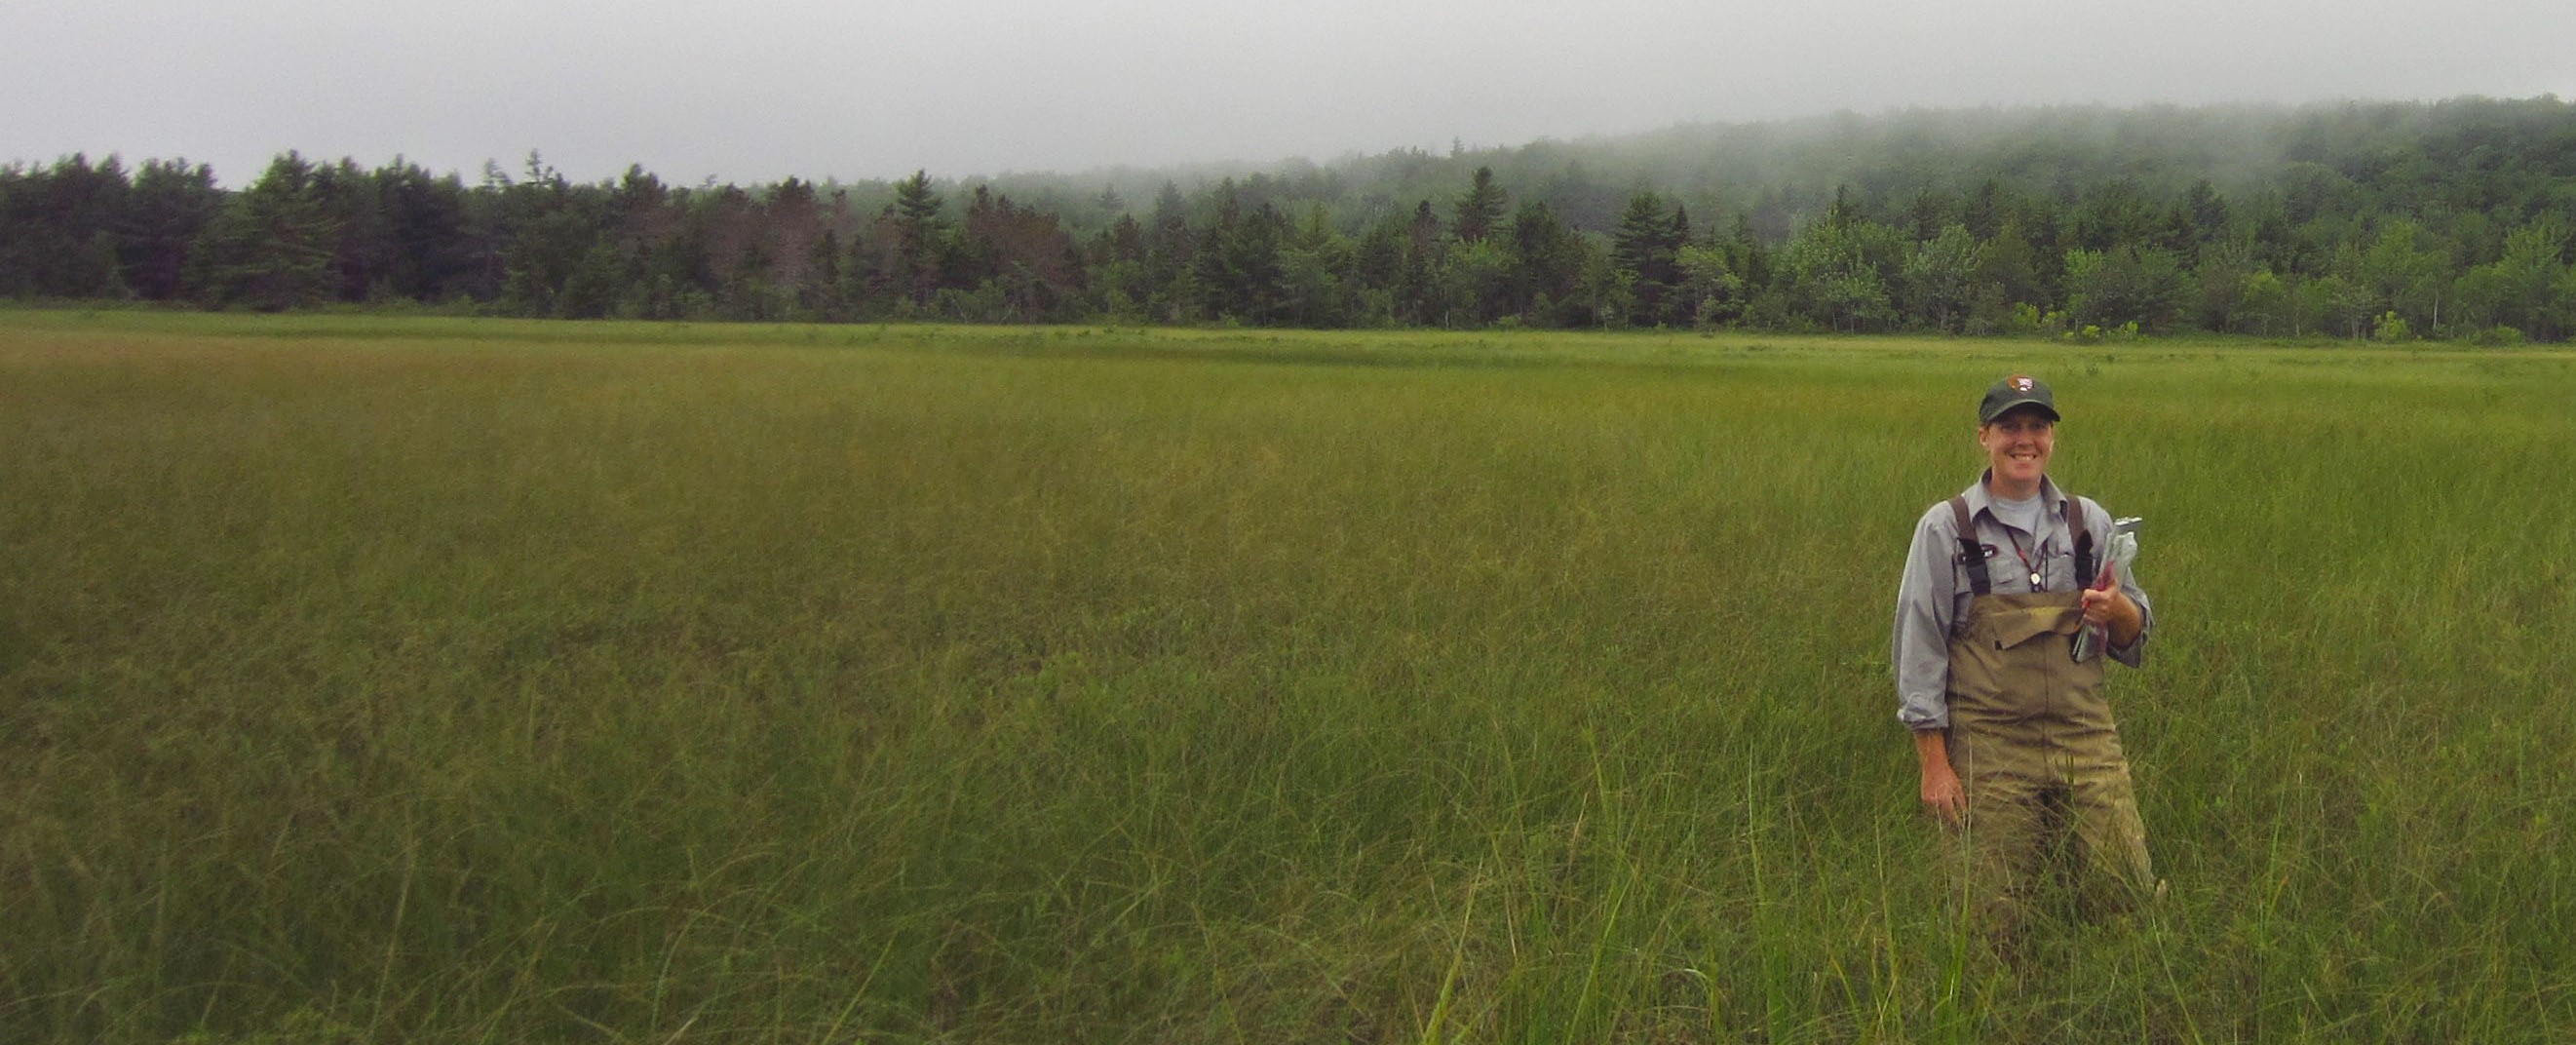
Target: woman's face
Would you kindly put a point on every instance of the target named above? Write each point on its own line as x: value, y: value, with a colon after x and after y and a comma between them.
x: 2017, y: 446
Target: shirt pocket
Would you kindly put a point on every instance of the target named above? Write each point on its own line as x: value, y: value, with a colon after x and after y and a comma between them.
x: 2010, y: 576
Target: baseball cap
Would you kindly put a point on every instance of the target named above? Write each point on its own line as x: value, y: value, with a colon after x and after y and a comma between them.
x: 2015, y: 391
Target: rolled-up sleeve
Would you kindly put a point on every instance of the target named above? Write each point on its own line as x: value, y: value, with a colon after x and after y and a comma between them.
x: 2135, y: 653
x: 1925, y: 601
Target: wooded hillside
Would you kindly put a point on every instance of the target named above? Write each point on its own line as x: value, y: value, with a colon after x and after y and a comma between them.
x: 2398, y: 220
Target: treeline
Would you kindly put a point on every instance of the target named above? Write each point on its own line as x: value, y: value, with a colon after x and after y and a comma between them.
x: 2392, y: 221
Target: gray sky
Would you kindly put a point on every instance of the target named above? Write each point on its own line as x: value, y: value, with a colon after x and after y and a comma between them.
x: 757, y: 90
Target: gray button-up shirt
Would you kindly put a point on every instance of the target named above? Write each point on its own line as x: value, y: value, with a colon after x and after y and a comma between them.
x: 1934, y: 596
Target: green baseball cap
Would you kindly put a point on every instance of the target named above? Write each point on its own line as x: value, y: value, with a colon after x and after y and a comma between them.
x: 2017, y: 390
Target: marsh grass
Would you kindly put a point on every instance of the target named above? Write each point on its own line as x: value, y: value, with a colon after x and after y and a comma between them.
x: 445, y: 680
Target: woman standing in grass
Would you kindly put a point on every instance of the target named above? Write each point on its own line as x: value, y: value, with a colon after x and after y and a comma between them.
x: 2020, y: 757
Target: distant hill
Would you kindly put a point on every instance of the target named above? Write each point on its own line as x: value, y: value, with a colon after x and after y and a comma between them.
x: 2466, y: 153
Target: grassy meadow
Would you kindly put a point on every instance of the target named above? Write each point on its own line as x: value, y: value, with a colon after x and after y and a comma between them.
x: 433, y: 680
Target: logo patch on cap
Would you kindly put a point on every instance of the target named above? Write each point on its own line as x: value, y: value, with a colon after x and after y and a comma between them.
x: 2021, y: 384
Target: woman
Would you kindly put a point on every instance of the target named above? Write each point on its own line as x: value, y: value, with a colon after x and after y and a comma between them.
x: 2019, y: 754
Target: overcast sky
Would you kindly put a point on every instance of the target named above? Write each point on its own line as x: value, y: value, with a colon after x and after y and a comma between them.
x: 757, y: 90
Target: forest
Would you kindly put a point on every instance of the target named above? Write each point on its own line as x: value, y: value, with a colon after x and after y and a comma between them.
x: 2361, y: 220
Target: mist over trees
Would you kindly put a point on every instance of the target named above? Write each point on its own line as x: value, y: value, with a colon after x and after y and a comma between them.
x: 2452, y: 219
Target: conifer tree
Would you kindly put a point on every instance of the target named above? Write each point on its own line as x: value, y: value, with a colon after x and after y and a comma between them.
x: 1479, y: 208
x: 271, y: 246
x: 921, y: 238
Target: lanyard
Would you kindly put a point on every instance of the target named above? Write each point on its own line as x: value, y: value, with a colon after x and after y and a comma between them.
x: 2025, y: 556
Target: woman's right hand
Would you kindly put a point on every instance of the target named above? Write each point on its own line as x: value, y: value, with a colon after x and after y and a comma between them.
x: 1943, y: 797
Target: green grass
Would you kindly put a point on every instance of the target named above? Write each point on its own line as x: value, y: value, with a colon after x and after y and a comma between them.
x: 446, y: 680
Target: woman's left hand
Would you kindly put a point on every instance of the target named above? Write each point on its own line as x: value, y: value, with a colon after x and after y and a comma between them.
x: 2110, y: 608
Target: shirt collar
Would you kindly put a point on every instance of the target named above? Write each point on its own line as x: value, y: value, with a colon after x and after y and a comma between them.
x: 2050, y: 497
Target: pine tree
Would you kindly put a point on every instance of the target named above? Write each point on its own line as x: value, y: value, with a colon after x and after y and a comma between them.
x: 921, y: 247
x: 169, y: 207
x: 271, y: 246
x: 1547, y: 264
x: 1647, y: 247
x: 1479, y: 208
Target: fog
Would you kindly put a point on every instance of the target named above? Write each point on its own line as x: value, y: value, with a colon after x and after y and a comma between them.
x: 761, y: 90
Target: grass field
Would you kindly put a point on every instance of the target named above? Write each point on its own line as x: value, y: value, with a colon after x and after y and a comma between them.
x: 450, y: 680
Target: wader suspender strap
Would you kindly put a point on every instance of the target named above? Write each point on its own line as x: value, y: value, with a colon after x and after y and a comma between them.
x: 1972, y: 555
x: 2085, y: 565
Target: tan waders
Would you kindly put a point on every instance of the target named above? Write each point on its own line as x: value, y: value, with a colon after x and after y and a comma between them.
x: 2038, y: 756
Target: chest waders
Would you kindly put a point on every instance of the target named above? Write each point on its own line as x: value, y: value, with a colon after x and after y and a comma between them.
x: 2036, y: 750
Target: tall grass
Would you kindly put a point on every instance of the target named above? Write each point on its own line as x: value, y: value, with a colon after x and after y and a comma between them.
x: 456, y: 681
